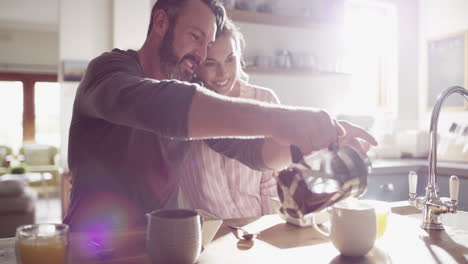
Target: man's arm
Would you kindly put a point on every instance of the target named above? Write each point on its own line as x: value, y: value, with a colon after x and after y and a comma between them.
x: 114, y: 90
x: 258, y: 153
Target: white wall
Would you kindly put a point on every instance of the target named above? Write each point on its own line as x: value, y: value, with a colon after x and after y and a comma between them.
x: 87, y: 28
x: 408, y: 56
x: 28, y: 51
x: 437, y: 19
x: 28, y: 36
x: 33, y: 12
x: 85, y: 31
x: 130, y: 23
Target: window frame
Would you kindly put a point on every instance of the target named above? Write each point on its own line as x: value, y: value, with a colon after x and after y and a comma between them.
x: 28, y: 80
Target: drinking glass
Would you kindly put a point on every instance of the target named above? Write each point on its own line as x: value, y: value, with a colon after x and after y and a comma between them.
x: 42, y: 243
x: 382, y: 212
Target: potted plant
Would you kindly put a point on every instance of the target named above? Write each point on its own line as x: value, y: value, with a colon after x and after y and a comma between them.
x: 18, y: 169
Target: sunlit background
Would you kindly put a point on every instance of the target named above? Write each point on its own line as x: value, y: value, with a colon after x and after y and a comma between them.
x: 380, y: 48
x: 367, y: 61
x: 370, y: 41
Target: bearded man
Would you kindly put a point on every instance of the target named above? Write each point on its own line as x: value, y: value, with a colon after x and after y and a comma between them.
x: 130, y: 103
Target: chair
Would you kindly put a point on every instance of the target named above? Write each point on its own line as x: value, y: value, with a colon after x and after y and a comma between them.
x: 5, y: 153
x: 39, y: 158
x: 17, y: 206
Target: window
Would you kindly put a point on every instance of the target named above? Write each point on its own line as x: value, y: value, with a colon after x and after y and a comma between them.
x: 11, y: 113
x: 370, y: 37
x: 47, y: 113
x: 23, y: 98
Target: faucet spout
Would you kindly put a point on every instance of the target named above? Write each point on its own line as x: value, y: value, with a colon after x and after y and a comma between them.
x: 433, y: 130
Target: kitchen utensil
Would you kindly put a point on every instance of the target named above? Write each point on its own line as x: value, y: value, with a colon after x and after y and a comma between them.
x: 42, y: 243
x: 245, y: 234
x: 303, y: 190
x: 283, y: 59
x: 174, y: 236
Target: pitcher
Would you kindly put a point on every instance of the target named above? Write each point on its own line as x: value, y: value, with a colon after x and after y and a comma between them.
x: 304, y: 188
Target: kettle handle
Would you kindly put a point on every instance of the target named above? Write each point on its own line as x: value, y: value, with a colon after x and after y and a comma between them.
x: 296, y: 154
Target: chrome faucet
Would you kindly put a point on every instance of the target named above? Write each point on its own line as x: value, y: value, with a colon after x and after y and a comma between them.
x: 432, y: 205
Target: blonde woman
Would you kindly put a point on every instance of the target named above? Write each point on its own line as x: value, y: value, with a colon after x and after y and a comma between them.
x: 211, y: 181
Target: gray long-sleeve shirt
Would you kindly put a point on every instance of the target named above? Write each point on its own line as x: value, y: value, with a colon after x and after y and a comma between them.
x: 121, y: 143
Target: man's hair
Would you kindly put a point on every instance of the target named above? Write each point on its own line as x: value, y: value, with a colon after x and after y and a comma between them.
x: 172, y: 8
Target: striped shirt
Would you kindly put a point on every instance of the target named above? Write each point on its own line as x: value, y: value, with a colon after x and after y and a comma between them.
x: 223, y: 186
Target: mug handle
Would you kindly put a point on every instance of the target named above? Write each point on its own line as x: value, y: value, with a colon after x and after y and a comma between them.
x: 319, y: 229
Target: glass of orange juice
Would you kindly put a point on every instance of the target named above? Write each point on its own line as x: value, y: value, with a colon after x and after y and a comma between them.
x: 382, y: 212
x: 42, y: 243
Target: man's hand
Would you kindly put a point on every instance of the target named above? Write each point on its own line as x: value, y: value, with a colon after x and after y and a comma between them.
x: 356, y: 137
x: 309, y: 129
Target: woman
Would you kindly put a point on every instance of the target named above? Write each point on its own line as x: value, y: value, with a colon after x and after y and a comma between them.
x: 210, y: 181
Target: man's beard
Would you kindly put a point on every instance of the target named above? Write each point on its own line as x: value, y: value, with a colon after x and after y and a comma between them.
x: 171, y: 62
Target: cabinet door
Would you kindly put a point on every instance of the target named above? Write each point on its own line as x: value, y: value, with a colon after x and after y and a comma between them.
x: 388, y: 188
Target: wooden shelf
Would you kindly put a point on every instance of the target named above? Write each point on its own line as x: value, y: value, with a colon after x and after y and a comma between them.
x: 311, y: 72
x: 274, y: 19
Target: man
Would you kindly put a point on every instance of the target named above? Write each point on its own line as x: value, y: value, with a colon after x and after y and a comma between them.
x: 128, y: 106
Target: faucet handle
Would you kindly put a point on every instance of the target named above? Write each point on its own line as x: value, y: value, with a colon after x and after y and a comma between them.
x: 454, y: 186
x: 413, y: 181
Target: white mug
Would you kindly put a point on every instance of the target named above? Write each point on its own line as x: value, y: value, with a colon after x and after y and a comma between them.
x: 353, y: 227
x: 174, y: 236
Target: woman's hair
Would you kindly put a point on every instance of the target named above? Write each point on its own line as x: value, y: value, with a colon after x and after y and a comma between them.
x: 230, y: 29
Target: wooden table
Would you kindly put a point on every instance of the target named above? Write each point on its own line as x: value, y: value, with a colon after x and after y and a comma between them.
x: 279, y: 242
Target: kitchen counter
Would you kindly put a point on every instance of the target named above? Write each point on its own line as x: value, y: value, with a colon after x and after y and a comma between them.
x: 403, y: 242
x: 404, y: 166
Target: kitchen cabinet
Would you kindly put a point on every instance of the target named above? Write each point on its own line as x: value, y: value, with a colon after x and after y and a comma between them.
x: 389, y: 180
x: 389, y: 187
x: 394, y: 187
x: 444, y: 190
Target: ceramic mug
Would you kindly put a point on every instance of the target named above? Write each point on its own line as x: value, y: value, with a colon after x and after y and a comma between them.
x: 174, y: 236
x: 353, y: 227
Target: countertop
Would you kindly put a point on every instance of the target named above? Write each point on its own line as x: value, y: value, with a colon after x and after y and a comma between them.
x: 403, y: 242
x: 404, y: 166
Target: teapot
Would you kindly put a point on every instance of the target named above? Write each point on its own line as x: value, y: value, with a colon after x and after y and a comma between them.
x: 304, y: 187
